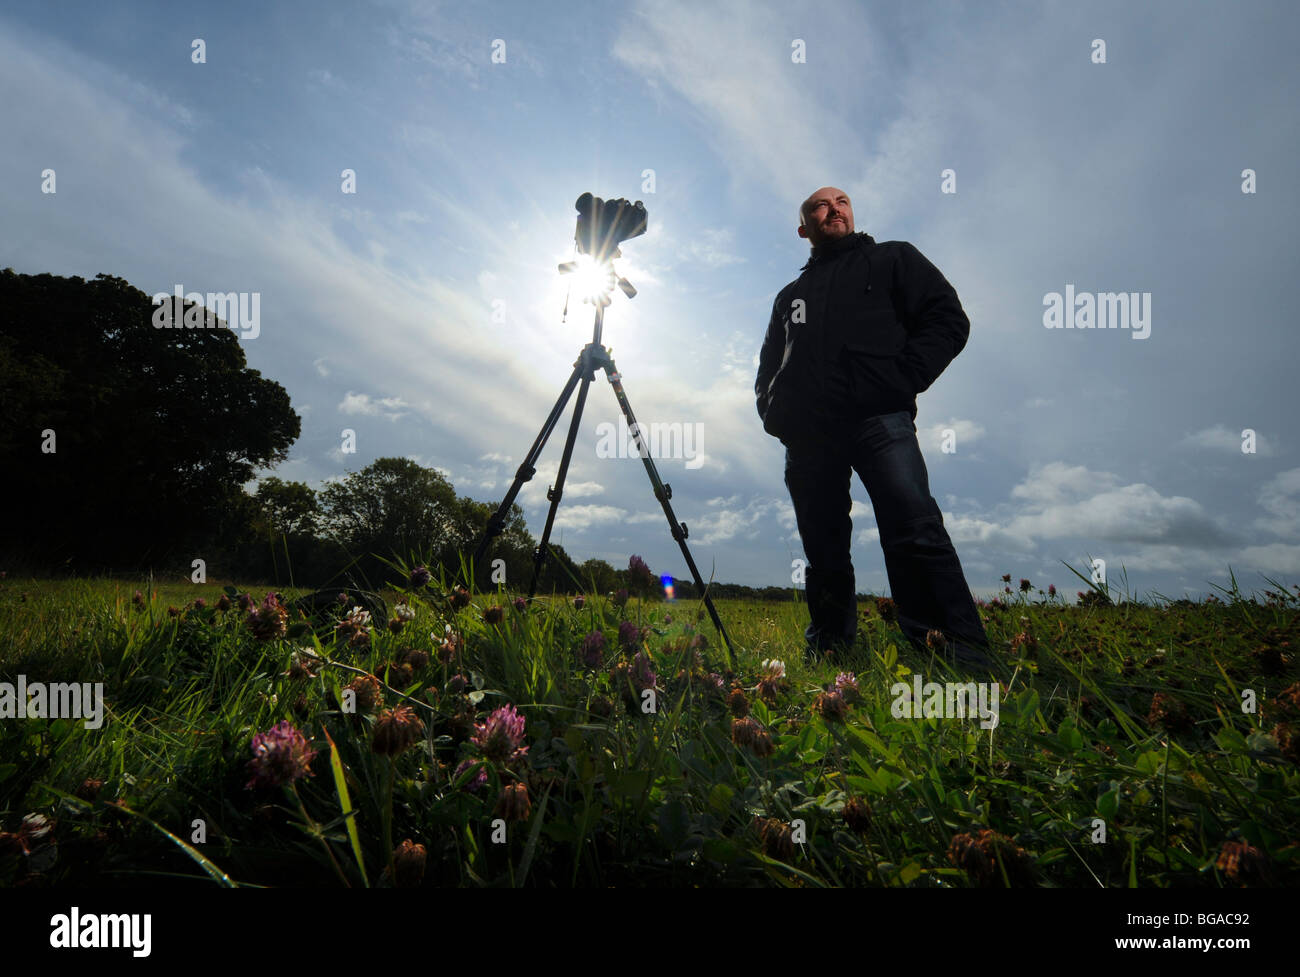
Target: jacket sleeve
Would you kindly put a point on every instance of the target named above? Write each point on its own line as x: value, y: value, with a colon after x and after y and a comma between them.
x: 769, y: 358
x: 936, y: 324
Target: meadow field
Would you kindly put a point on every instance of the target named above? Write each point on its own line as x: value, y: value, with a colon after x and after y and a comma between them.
x: 453, y: 739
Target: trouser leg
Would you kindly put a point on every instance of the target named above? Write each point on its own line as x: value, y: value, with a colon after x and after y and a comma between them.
x: 925, y: 575
x: 818, y: 480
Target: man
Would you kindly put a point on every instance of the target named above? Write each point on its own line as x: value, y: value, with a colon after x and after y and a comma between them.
x: 852, y: 341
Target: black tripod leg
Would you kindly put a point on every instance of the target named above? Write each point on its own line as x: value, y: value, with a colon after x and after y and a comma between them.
x: 663, y: 493
x: 526, y: 469
x: 557, y: 489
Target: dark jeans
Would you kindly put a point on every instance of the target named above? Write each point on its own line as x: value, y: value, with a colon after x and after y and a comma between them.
x: 925, y: 576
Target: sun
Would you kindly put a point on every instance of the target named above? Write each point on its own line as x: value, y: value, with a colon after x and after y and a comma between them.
x: 590, y: 280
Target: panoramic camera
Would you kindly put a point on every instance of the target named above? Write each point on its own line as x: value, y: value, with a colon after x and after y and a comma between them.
x: 604, y: 224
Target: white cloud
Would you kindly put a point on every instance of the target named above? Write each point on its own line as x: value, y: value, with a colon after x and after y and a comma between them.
x: 714, y: 249
x: 1221, y: 438
x: 966, y: 432
x: 390, y: 408
x: 578, y: 517
x: 1280, y: 498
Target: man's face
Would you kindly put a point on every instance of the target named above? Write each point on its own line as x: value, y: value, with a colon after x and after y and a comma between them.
x: 828, y: 216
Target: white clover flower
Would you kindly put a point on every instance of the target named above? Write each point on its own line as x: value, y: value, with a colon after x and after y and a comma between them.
x: 403, y: 612
x: 775, y: 666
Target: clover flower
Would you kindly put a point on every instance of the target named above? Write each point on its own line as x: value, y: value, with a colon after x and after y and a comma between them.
x: 475, y: 783
x: 366, y: 691
x: 592, y: 649
x: 847, y: 684
x: 459, y: 598
x: 501, y: 738
x: 281, y: 755
x: 451, y: 646
x: 831, y: 706
x: 630, y: 636
x: 494, y: 614
x: 983, y: 855
x: 887, y: 610
x: 857, y: 815
x: 396, y: 730
x: 270, y: 620
x: 420, y: 576
x: 772, y: 679
x: 777, y: 838
x: 302, y: 664
x: 738, y: 702
x: 746, y: 732
x: 642, y: 675
x: 415, y: 657
x: 35, y: 828
x: 513, y: 803
x: 408, y: 864
x: 579, y: 602
x: 639, y: 574
x: 355, y: 628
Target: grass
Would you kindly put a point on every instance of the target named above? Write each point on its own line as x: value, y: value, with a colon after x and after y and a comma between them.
x: 1122, y: 755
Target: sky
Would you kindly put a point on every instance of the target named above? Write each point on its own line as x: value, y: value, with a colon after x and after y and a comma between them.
x: 1021, y: 147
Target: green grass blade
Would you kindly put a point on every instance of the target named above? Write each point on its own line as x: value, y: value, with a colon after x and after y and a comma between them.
x: 345, y: 804
x: 217, y: 875
x: 531, y: 845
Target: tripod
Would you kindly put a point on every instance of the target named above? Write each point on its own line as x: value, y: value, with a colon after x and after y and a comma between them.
x: 593, y: 356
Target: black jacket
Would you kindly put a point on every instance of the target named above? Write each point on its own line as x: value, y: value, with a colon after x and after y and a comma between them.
x: 879, y: 324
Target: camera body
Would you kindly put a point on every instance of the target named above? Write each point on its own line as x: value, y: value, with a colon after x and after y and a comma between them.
x: 604, y: 224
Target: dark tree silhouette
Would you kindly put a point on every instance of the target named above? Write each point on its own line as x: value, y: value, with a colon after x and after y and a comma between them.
x: 391, y: 507
x: 154, y: 430
x: 287, y: 507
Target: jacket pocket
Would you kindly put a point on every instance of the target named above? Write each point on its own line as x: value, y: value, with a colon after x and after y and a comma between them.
x: 879, y: 382
x: 776, y: 420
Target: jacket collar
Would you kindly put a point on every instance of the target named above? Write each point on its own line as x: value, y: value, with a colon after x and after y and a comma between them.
x: 825, y: 252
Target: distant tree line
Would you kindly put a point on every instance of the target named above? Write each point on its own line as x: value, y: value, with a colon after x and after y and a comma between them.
x: 127, y: 448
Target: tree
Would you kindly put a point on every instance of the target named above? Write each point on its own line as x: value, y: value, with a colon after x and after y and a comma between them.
x: 600, y: 575
x: 288, y: 507
x: 394, y: 508
x: 128, y: 444
x: 515, y: 545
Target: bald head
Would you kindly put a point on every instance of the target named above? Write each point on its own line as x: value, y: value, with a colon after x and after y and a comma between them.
x: 827, y: 215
